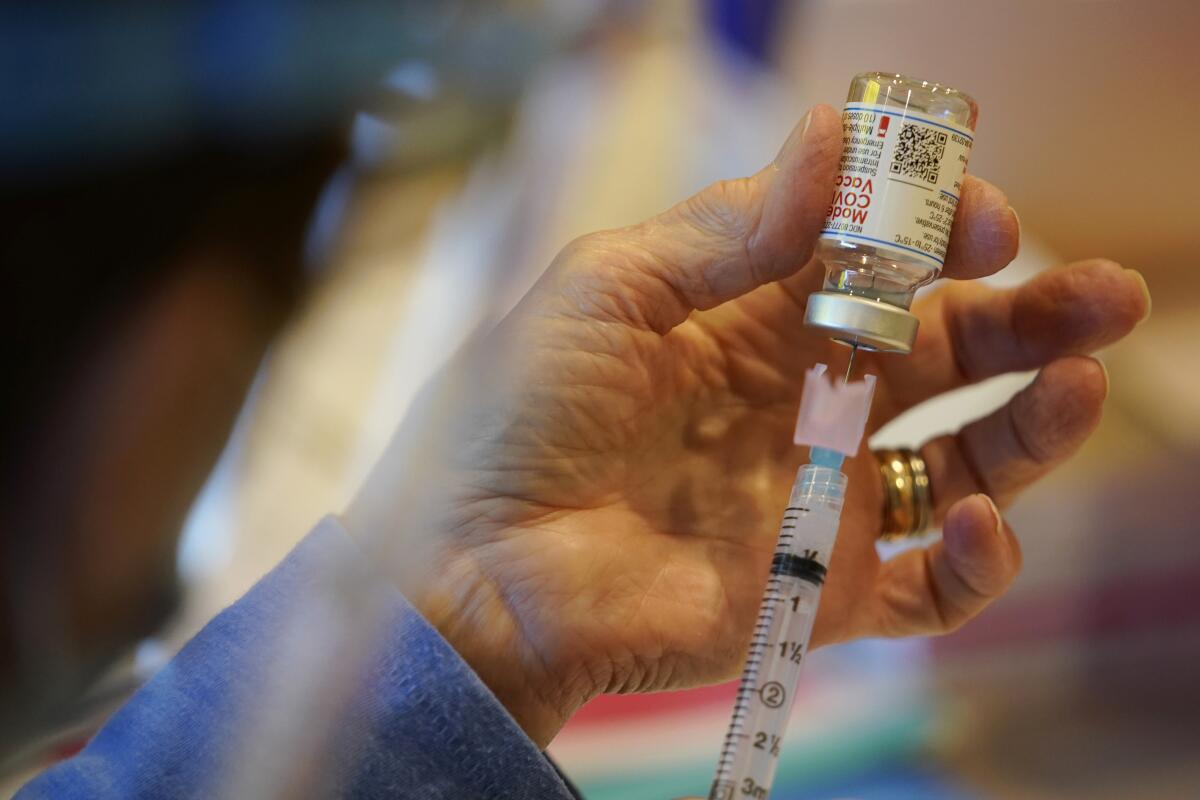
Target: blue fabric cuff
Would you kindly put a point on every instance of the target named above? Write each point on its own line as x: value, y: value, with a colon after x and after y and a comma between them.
x: 321, y: 681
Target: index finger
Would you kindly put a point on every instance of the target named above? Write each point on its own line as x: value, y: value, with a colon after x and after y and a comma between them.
x: 986, y: 232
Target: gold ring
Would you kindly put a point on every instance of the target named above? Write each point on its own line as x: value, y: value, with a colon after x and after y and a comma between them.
x: 907, y: 500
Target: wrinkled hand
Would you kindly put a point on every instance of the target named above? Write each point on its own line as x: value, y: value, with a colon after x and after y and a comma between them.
x: 621, y: 486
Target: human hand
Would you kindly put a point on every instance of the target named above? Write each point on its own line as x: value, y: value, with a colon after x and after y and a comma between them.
x: 620, y: 481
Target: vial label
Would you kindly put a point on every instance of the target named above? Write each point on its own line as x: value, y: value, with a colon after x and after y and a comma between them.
x: 899, y: 180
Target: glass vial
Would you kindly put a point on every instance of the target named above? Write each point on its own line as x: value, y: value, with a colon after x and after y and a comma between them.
x: 906, y: 143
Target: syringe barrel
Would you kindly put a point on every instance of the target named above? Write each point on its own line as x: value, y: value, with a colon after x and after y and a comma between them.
x: 781, y: 635
x: 820, y: 489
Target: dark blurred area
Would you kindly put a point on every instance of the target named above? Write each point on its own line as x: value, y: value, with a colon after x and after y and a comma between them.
x: 221, y: 228
x: 298, y: 203
x: 162, y: 168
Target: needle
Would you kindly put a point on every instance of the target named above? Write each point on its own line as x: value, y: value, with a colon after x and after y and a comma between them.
x: 850, y: 366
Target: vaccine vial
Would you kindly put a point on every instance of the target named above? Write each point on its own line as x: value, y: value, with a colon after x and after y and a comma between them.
x: 905, y: 148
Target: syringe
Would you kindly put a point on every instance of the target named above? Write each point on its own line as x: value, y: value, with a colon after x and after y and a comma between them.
x: 833, y: 416
x: 779, y: 643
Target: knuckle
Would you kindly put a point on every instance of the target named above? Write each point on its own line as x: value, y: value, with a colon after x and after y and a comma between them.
x: 718, y: 210
x: 583, y: 249
x: 612, y: 276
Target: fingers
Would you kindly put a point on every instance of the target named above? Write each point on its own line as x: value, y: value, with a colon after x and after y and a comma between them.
x: 737, y: 235
x: 937, y: 589
x: 730, y: 238
x: 986, y: 232
x: 1040, y: 427
x: 970, y: 332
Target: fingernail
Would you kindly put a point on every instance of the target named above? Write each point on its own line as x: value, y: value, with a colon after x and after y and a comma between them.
x: 1141, y: 280
x: 1017, y: 217
x: 999, y: 521
x: 1104, y: 370
x: 794, y: 140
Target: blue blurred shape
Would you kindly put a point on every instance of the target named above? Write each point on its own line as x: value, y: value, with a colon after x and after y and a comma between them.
x: 746, y: 26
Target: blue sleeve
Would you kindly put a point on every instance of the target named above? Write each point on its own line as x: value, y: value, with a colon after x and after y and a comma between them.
x: 274, y: 698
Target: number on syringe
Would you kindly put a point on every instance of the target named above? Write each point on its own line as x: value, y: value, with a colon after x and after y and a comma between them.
x: 752, y: 789
x: 792, y: 651
x: 768, y: 742
x: 772, y: 694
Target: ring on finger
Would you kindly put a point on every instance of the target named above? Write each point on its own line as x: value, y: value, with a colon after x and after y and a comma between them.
x: 907, y: 499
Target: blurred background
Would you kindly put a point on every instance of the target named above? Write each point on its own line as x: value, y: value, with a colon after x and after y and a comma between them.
x: 1082, y: 682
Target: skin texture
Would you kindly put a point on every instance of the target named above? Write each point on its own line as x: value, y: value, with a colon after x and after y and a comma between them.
x: 627, y: 447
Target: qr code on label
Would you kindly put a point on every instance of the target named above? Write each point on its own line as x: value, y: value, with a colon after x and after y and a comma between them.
x: 918, y: 152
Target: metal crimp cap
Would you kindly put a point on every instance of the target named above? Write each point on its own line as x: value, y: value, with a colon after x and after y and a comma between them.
x: 862, y: 321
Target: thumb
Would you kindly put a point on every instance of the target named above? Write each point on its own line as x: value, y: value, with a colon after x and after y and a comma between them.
x: 732, y: 237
